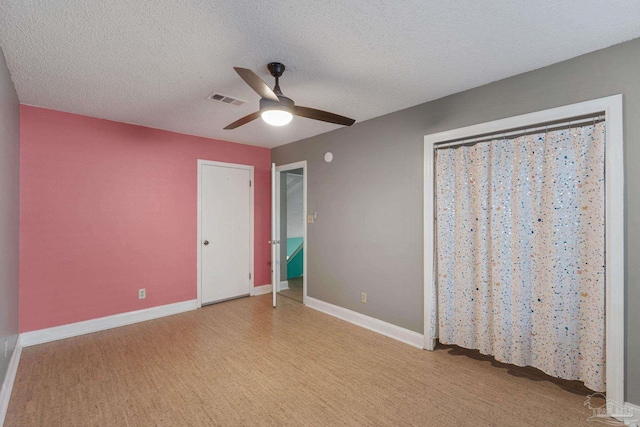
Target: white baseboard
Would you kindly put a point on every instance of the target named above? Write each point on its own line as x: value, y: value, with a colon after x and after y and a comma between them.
x: 387, y: 329
x: 261, y: 290
x: 102, y: 323
x: 632, y: 420
x: 7, y: 385
x: 284, y: 285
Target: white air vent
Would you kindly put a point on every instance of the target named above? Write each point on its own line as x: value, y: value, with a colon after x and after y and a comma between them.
x: 226, y: 99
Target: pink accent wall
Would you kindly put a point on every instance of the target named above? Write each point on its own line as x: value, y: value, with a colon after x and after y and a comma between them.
x: 107, y: 208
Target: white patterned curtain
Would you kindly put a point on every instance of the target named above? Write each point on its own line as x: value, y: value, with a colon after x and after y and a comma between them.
x: 520, y: 251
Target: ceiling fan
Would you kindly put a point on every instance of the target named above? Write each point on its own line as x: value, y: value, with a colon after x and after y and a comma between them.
x: 275, y: 108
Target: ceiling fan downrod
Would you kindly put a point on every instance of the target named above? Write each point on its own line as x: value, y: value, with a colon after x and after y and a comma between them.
x: 276, y: 69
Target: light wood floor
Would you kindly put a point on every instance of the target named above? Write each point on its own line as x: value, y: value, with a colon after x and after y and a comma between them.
x: 295, y: 289
x: 244, y: 363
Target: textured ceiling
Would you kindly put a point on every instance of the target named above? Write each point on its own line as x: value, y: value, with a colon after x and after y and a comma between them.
x: 154, y: 62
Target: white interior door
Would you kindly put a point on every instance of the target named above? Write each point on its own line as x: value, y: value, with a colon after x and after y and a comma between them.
x: 225, y: 232
x: 275, y: 268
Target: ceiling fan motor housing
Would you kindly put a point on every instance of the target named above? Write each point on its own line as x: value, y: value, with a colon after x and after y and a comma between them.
x: 285, y: 104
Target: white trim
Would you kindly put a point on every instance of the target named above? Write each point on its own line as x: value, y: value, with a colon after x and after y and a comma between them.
x: 9, y: 378
x: 275, y: 268
x: 614, y: 169
x: 261, y: 290
x: 284, y: 285
x: 406, y: 336
x: 614, y: 247
x: 102, y: 323
x: 250, y: 168
x: 536, y: 118
x: 305, y: 263
x: 636, y: 414
x: 429, y: 260
x: 283, y: 168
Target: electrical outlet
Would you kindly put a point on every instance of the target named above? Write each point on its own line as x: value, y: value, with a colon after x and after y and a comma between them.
x: 142, y: 293
x: 363, y: 298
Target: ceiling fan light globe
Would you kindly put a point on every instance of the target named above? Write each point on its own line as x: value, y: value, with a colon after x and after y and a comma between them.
x: 277, y: 117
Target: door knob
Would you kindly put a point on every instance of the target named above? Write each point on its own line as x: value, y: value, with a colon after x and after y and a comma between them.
x: 206, y: 242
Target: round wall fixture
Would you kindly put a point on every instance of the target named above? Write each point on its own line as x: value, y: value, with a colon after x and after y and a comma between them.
x: 328, y: 156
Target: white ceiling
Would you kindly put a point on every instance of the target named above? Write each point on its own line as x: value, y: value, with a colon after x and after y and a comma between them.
x: 153, y: 62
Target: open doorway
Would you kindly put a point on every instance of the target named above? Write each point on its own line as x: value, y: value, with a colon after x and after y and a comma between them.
x: 291, y: 230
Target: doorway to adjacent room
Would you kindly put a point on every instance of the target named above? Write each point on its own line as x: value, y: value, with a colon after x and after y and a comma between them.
x: 291, y: 229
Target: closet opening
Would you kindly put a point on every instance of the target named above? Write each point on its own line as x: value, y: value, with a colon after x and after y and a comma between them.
x: 524, y: 242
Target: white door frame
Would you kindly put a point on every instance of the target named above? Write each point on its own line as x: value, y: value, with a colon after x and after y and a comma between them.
x: 283, y: 168
x: 614, y: 223
x: 275, y: 268
x: 251, y: 185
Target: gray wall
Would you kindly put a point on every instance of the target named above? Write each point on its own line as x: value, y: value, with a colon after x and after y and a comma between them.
x: 9, y: 213
x: 295, y: 206
x: 368, y: 235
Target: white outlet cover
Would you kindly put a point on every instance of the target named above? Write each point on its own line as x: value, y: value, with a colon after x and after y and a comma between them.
x: 328, y: 156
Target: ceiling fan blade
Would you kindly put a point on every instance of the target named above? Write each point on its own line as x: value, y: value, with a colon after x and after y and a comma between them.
x: 243, y: 121
x: 312, y: 113
x: 256, y: 83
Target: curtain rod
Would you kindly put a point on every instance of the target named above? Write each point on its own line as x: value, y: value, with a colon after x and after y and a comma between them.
x: 520, y: 131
